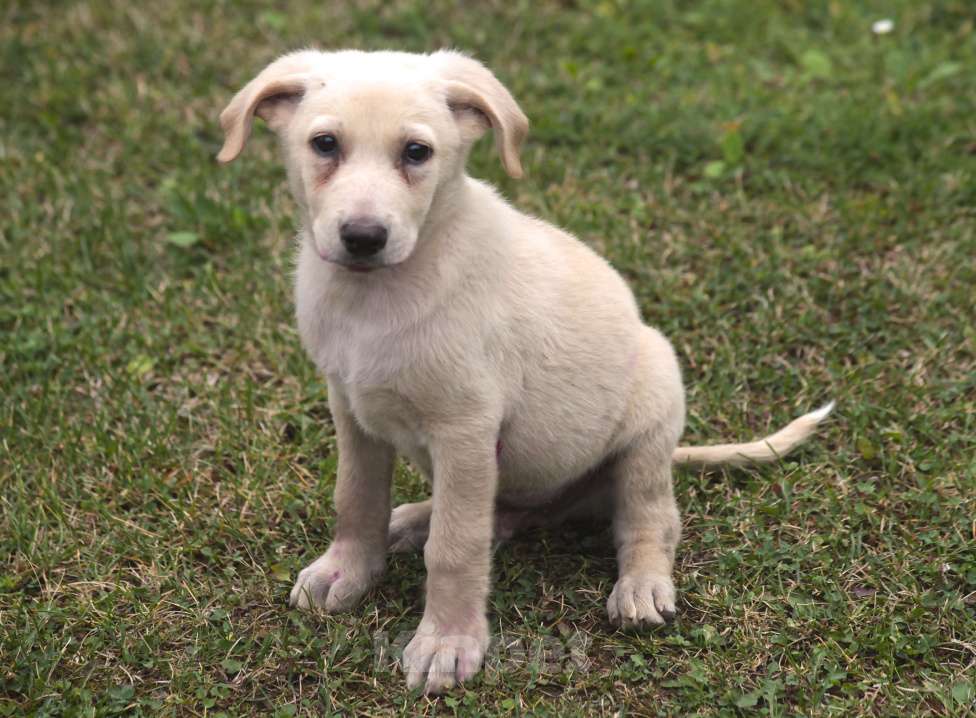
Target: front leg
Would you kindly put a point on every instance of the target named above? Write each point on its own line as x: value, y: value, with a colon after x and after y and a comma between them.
x: 452, y: 638
x: 646, y: 530
x: 357, y: 557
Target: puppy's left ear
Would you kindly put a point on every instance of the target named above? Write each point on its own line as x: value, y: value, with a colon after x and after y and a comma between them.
x: 479, y: 100
x: 273, y: 96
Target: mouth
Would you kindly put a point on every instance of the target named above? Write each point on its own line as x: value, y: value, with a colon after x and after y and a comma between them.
x: 352, y: 266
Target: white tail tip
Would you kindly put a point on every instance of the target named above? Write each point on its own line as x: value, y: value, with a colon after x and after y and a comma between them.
x: 821, y: 413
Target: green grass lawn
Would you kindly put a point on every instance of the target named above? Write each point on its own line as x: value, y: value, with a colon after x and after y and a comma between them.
x: 791, y: 198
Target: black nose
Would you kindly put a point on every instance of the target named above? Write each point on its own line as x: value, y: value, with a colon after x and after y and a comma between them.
x: 363, y: 239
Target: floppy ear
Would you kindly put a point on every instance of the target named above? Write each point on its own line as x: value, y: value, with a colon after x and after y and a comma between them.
x: 478, y: 101
x: 273, y: 96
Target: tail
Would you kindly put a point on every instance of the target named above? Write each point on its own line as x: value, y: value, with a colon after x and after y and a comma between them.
x: 771, y: 448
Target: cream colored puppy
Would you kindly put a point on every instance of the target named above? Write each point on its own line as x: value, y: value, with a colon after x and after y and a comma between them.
x: 501, y: 356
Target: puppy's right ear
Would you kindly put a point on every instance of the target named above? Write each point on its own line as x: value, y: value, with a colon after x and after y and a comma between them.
x: 273, y: 96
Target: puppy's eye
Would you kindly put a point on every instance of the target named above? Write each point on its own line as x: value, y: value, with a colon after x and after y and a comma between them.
x: 325, y: 145
x: 416, y: 153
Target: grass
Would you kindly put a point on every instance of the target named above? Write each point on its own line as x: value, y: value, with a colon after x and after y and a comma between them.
x: 791, y: 198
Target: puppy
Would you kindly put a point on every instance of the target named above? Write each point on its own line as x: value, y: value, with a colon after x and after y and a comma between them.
x: 505, y: 359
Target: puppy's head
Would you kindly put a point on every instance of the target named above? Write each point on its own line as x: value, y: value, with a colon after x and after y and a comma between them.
x: 372, y: 139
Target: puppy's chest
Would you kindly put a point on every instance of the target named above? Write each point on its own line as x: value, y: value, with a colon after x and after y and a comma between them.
x: 388, y: 415
x: 354, y: 353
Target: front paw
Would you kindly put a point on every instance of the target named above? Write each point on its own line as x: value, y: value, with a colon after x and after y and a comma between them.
x: 440, y: 658
x: 638, y: 601
x: 336, y: 580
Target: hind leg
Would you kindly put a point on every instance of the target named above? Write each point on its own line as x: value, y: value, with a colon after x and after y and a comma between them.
x: 409, y: 527
x: 410, y: 523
